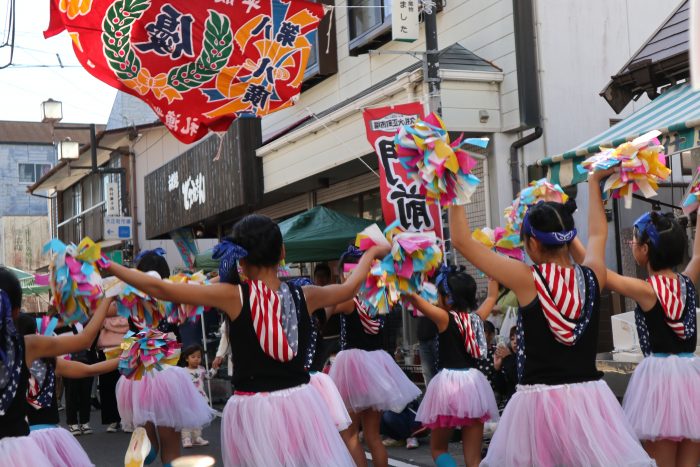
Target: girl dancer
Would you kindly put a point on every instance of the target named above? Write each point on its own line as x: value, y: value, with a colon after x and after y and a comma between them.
x: 275, y: 417
x: 561, y: 414
x: 459, y: 396
x: 367, y: 378
x: 662, y: 401
x: 16, y: 356
x: 163, y: 402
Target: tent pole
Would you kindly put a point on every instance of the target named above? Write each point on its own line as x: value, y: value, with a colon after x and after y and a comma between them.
x: 206, y: 356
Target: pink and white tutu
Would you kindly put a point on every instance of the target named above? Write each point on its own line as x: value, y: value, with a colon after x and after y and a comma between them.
x: 61, y: 447
x: 457, y: 398
x: 290, y: 427
x: 571, y: 424
x: 336, y: 408
x: 371, y: 380
x: 22, y: 451
x: 164, y: 398
x: 663, y: 398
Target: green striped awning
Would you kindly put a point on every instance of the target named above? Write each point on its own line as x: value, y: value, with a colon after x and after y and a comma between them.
x: 676, y: 113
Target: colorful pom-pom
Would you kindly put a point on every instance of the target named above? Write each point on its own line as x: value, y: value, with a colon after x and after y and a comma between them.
x: 501, y: 240
x: 144, y: 310
x: 642, y: 164
x: 147, y: 350
x: 177, y: 313
x: 691, y: 203
x: 442, y: 168
x: 540, y: 190
x: 74, y: 278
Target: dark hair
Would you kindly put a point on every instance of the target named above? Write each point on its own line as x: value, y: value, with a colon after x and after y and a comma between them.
x: 548, y: 216
x: 324, y: 270
x: 10, y: 284
x: 26, y: 324
x: 461, y: 288
x: 261, y: 237
x: 189, y: 350
x: 351, y: 256
x: 154, y: 262
x: 513, y: 332
x: 672, y: 238
x: 489, y: 327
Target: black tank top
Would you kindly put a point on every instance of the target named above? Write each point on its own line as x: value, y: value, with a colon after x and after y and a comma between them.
x: 452, y: 354
x: 45, y: 415
x: 662, y: 339
x: 253, y: 369
x: 547, y: 361
x: 14, y: 422
x: 353, y: 335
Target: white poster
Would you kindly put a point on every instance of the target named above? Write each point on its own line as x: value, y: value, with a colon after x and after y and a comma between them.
x: 404, y: 20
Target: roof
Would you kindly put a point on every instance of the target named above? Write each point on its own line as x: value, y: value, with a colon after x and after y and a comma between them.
x: 42, y: 133
x: 128, y: 111
x: 662, y: 60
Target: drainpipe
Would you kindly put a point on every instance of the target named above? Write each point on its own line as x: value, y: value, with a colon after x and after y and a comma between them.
x: 514, y: 162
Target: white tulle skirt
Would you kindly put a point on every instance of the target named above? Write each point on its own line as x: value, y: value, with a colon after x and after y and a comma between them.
x: 22, y: 451
x: 663, y: 398
x: 336, y: 408
x: 164, y: 398
x: 371, y: 380
x: 289, y: 428
x: 566, y: 425
x: 457, y: 398
x: 61, y: 447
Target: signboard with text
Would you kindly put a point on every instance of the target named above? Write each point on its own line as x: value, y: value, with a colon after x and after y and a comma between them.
x: 117, y: 228
x: 404, y: 20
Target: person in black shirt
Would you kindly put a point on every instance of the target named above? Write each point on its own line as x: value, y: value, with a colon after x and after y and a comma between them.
x: 428, y: 348
x: 505, y: 364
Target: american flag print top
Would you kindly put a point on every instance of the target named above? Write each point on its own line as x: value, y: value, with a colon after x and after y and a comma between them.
x: 671, y: 293
x: 267, y: 313
x: 471, y: 341
x: 370, y: 325
x: 561, y: 292
x: 42, y: 383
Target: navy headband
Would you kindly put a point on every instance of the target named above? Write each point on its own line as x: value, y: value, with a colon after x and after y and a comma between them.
x: 646, y: 225
x: 228, y: 253
x: 158, y: 251
x: 441, y: 281
x: 563, y: 237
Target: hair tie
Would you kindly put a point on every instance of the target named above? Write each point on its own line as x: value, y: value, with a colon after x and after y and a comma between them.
x: 441, y: 280
x: 563, y: 237
x: 157, y: 251
x: 228, y: 253
x: 352, y: 252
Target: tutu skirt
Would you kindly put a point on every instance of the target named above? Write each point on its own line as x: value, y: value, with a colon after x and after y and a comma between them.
x: 371, y: 380
x: 336, y: 408
x: 457, y: 398
x: 572, y: 424
x: 663, y: 398
x: 290, y: 427
x: 22, y: 451
x: 164, y: 398
x: 61, y: 447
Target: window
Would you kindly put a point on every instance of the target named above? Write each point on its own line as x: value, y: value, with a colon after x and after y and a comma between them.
x: 369, y: 23
x: 323, y: 60
x: 30, y: 173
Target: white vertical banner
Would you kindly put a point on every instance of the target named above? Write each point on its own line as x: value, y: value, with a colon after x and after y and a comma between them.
x: 404, y: 20
x: 694, y: 51
x: 112, y: 199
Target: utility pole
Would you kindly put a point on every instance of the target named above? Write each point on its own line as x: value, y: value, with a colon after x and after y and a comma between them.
x: 431, y: 63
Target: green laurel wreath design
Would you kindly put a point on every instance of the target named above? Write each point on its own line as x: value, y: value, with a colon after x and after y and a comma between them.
x: 116, y: 28
x: 216, y: 51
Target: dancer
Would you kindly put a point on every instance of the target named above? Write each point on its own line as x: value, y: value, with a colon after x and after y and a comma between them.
x: 18, y: 353
x: 561, y: 414
x: 163, y: 402
x: 274, y: 417
x: 368, y: 379
x: 191, y: 359
x: 662, y: 401
x: 459, y: 396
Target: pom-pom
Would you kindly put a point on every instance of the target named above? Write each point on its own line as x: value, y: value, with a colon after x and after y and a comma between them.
x: 144, y: 310
x: 501, y: 240
x: 540, y: 190
x: 692, y: 199
x: 74, y: 279
x: 177, y: 313
x: 642, y: 164
x: 442, y: 168
x: 147, y: 350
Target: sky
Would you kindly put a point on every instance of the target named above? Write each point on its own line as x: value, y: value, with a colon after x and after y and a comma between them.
x: 22, y: 90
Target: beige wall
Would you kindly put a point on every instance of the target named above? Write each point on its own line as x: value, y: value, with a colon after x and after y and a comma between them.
x: 23, y: 238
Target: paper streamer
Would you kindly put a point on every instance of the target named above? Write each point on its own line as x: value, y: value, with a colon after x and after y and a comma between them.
x: 178, y: 313
x: 500, y: 240
x: 540, y: 190
x: 692, y: 198
x: 442, y: 168
x: 147, y: 350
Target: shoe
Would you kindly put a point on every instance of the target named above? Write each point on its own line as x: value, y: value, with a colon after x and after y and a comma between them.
x: 85, y: 429
x: 200, y: 442
x: 113, y: 427
x: 412, y: 443
x: 60, y: 407
x: 126, y: 428
x: 75, y: 430
x: 139, y: 448
x: 391, y: 443
x: 186, y: 443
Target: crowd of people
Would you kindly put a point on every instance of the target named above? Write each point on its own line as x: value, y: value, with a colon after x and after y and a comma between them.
x: 284, y: 410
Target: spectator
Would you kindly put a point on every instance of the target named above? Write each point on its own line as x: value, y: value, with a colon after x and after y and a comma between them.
x: 113, y: 329
x: 486, y: 365
x: 428, y: 348
x: 78, y: 393
x: 329, y: 335
x: 223, y: 352
x: 505, y: 364
x: 400, y: 428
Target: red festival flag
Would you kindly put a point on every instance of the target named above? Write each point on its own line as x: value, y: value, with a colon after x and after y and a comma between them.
x: 401, y: 195
x: 198, y: 64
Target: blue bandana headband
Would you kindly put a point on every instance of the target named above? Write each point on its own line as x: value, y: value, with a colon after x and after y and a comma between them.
x: 158, y: 251
x: 228, y: 253
x: 645, y: 225
x: 562, y: 237
x: 441, y: 281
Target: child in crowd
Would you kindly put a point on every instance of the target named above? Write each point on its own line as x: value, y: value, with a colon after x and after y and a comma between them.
x: 191, y: 359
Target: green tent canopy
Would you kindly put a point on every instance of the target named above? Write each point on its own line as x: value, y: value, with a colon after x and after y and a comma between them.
x: 26, y: 280
x: 204, y: 262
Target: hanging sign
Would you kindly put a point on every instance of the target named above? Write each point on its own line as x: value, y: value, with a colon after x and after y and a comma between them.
x: 401, y: 195
x: 404, y: 20
x: 112, y: 199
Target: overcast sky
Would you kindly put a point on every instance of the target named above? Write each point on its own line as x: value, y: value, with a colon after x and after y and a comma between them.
x: 22, y: 90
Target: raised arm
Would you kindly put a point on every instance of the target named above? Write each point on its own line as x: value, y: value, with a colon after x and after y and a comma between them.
x: 222, y: 296
x: 321, y: 297
x: 638, y: 290
x: 75, y: 370
x: 597, y: 227
x: 53, y: 346
x: 693, y: 268
x: 434, y: 313
x: 509, y: 272
x: 485, y: 308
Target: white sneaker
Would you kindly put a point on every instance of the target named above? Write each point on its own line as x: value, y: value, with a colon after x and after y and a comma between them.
x: 200, y: 442
x: 412, y: 443
x: 74, y: 430
x: 186, y: 443
x: 85, y: 429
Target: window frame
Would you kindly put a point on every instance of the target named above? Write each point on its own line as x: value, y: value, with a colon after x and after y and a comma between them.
x: 23, y: 179
x: 326, y: 62
x: 362, y: 42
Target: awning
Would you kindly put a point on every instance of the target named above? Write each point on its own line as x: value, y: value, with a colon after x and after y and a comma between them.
x: 676, y: 113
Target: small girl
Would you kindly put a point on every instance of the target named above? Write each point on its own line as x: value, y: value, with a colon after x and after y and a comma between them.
x: 191, y: 359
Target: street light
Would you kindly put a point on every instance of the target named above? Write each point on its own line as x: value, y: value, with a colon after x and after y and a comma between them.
x: 51, y: 111
x: 68, y: 150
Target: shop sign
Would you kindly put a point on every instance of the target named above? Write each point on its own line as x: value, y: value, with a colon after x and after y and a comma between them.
x: 404, y: 20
